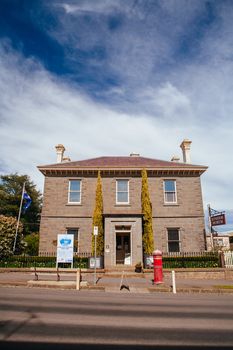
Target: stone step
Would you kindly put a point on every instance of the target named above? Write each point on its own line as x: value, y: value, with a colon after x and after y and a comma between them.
x: 120, y: 268
x: 128, y: 274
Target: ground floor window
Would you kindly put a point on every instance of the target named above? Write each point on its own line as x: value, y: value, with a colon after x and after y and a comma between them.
x: 173, y: 239
x: 74, y: 231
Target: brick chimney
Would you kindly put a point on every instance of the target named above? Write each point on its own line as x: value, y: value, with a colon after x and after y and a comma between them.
x: 60, y: 149
x: 185, y: 146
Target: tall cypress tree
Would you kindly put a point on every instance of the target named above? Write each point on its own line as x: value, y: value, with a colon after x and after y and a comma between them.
x: 147, y: 236
x: 98, y: 219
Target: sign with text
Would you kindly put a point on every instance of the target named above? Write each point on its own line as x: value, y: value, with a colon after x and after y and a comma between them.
x: 65, y: 248
x: 218, y: 220
x: 95, y: 230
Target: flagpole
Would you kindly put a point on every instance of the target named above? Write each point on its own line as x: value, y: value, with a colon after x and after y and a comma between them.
x: 20, y: 209
x: 211, y: 230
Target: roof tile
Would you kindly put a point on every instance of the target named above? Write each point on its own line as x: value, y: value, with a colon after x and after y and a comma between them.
x: 120, y: 162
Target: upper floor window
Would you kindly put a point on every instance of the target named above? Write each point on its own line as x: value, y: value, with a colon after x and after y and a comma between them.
x: 173, y: 239
x: 170, y: 191
x: 74, y: 191
x: 122, y: 191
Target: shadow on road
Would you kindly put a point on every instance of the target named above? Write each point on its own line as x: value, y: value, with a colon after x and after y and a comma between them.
x: 4, y: 345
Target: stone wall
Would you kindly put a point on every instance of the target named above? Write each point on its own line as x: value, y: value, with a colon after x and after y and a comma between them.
x: 186, y: 214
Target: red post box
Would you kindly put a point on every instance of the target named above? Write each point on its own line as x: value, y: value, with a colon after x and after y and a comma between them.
x: 158, y: 266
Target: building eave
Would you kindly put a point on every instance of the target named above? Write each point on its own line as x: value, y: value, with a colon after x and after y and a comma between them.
x: 136, y: 171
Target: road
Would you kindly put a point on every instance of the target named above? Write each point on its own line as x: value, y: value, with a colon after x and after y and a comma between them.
x: 67, y: 319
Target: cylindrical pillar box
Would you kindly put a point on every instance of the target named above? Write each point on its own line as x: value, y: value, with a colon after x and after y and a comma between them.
x: 158, y: 267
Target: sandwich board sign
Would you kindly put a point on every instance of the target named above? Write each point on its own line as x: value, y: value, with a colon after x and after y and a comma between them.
x: 65, y: 249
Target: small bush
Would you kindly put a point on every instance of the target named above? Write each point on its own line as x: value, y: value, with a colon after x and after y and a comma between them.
x: 40, y: 261
x: 191, y: 262
x: 32, y: 244
x: 203, y: 260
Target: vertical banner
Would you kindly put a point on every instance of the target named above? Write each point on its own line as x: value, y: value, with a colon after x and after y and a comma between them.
x: 65, y: 248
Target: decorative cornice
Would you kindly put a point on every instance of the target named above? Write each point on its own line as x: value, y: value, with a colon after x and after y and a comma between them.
x: 126, y: 171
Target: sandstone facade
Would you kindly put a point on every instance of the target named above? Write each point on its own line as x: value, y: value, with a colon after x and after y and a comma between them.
x: 123, y: 220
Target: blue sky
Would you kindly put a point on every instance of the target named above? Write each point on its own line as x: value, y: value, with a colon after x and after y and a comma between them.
x: 109, y: 77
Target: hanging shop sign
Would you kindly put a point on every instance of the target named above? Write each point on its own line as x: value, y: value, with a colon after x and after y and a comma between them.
x: 219, y: 219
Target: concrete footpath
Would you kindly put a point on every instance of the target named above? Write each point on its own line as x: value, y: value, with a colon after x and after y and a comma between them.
x: 115, y: 281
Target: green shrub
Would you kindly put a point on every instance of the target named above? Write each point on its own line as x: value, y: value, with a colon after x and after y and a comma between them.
x: 194, y: 260
x: 7, y: 236
x: 39, y: 261
x: 32, y: 244
x: 191, y: 261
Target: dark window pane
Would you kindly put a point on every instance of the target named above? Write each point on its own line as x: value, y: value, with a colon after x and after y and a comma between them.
x: 74, y: 231
x: 173, y: 235
x: 173, y: 246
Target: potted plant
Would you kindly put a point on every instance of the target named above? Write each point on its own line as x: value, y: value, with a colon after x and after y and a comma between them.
x: 138, y: 267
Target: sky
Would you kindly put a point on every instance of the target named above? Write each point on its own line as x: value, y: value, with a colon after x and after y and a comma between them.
x: 111, y: 77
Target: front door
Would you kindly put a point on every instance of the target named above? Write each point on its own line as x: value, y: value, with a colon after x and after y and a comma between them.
x: 123, y: 249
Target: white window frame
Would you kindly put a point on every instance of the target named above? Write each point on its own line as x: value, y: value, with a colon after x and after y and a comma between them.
x: 164, y: 192
x: 69, y: 191
x: 122, y: 203
x: 179, y: 241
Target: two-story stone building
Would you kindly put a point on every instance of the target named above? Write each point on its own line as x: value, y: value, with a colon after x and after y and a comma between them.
x: 175, y: 194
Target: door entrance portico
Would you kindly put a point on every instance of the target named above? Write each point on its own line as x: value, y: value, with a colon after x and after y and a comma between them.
x: 123, y: 241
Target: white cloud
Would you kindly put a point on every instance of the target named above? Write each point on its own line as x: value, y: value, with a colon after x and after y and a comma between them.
x: 194, y: 101
x: 39, y: 111
x: 100, y: 6
x: 148, y: 34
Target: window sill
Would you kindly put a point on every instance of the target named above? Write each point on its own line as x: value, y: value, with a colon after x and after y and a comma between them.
x: 73, y: 204
x: 122, y: 205
x: 170, y: 204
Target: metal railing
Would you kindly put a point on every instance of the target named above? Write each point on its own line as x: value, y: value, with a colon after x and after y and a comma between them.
x: 54, y: 254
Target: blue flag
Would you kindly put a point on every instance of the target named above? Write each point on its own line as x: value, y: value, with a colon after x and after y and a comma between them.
x: 26, y: 201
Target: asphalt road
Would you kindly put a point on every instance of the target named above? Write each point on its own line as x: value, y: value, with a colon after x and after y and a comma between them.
x: 67, y: 319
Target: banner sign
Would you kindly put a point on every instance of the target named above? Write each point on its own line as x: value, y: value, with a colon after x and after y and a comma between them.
x: 65, y: 248
x: 218, y: 220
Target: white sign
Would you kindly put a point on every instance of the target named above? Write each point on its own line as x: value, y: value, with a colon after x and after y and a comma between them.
x: 65, y: 248
x: 95, y: 230
x: 127, y: 260
x: 95, y: 263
